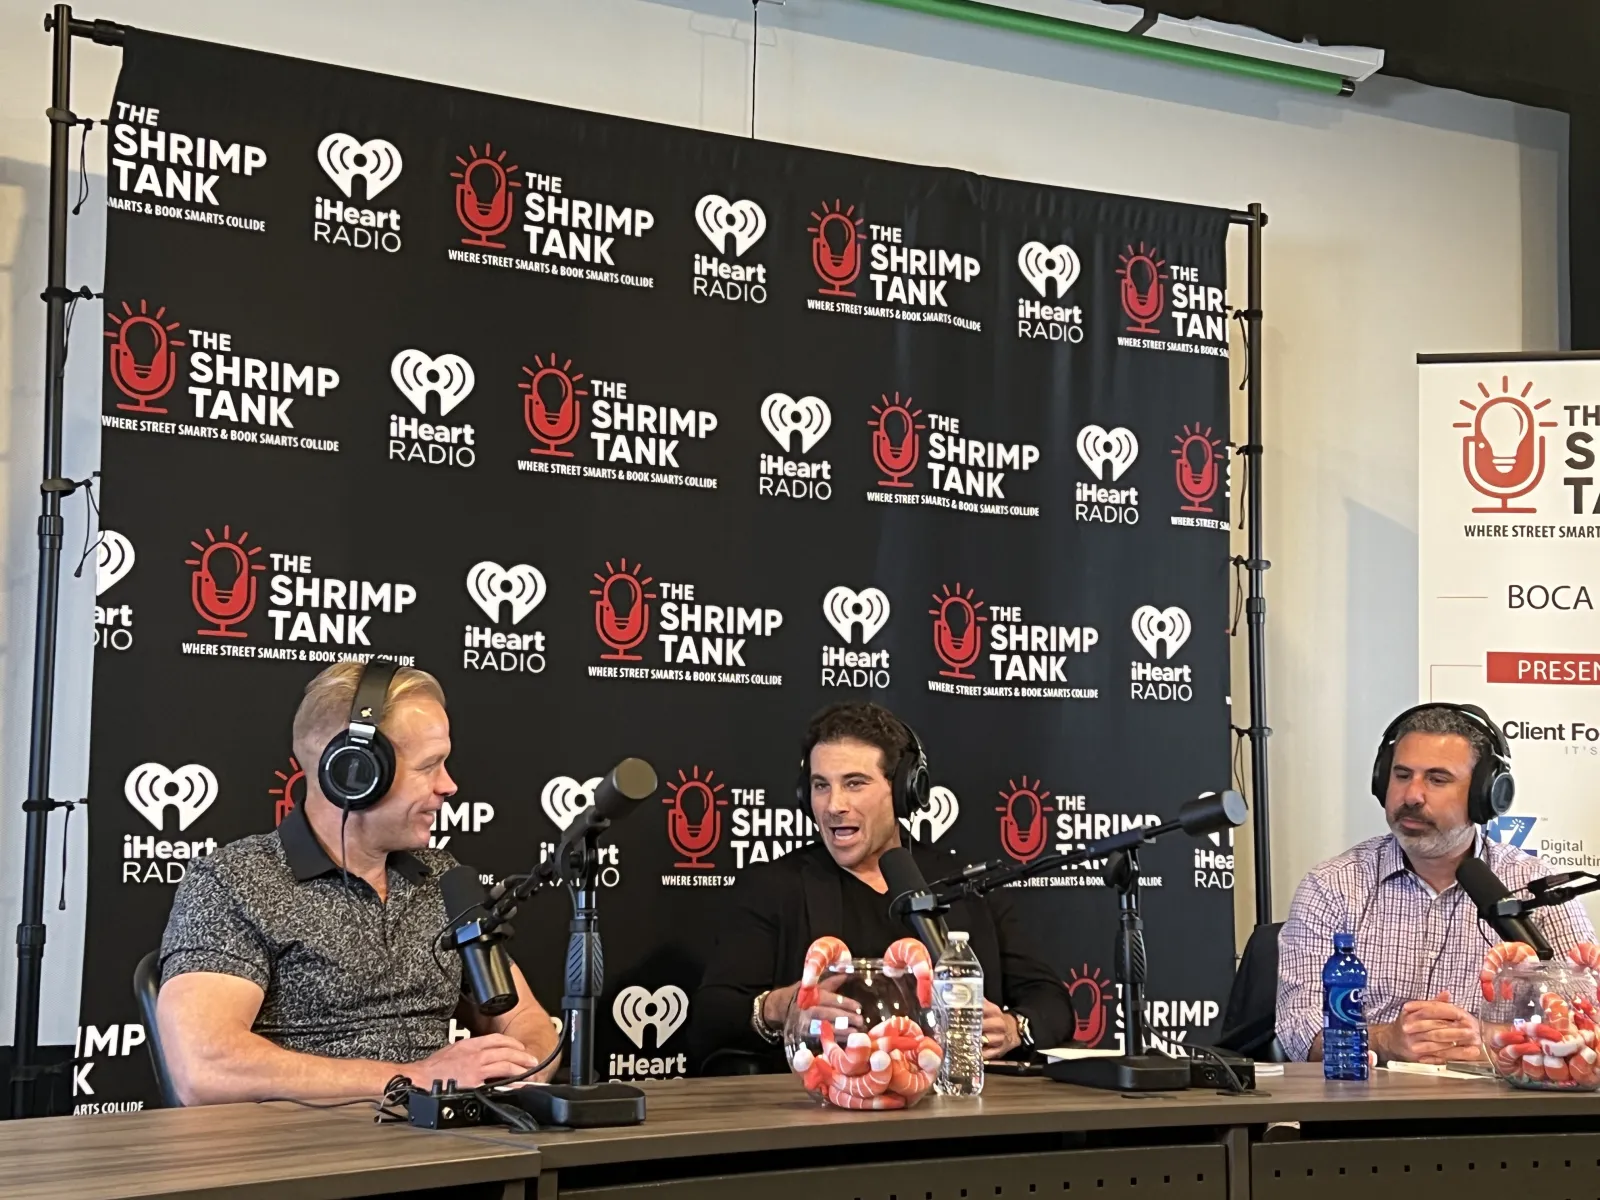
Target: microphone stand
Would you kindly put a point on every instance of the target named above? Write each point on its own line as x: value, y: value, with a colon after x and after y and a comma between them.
x: 1137, y: 1069
x: 585, y: 954
x: 1549, y: 892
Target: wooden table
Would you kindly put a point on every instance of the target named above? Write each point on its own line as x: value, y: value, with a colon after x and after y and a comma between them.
x: 761, y: 1139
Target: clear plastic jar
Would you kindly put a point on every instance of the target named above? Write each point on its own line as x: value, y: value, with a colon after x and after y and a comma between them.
x: 890, y: 1061
x: 1540, y: 1028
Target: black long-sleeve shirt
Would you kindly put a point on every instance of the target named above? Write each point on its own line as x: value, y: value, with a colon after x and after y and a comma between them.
x: 777, y: 911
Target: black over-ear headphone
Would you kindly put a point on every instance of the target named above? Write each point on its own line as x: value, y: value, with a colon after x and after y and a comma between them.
x: 357, y: 767
x: 909, y: 783
x: 1492, y: 788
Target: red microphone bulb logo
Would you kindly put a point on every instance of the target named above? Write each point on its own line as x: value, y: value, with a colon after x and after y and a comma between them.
x: 957, y: 640
x: 1503, y: 453
x: 896, y: 440
x: 1023, y: 829
x: 483, y: 195
x: 1088, y: 993
x: 622, y: 609
x: 1196, y: 467
x: 223, y: 584
x: 694, y: 817
x: 552, y: 408
x: 290, y: 792
x: 836, y: 247
x: 1144, y: 291
x: 144, y: 363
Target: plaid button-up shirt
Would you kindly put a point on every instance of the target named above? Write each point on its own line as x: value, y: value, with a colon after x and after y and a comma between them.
x: 1413, y: 943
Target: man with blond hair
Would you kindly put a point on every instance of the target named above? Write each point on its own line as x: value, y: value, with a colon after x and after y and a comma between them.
x: 300, y: 964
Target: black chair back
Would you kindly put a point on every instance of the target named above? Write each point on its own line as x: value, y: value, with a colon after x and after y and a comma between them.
x: 1250, y: 1019
x: 146, y: 985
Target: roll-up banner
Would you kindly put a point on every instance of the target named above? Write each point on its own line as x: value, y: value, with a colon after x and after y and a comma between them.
x: 1509, y: 572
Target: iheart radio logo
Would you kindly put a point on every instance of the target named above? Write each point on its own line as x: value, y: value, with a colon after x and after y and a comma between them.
x: 417, y: 376
x: 1155, y: 627
x: 933, y: 822
x: 1040, y: 264
x: 719, y: 219
x: 846, y: 609
x: 694, y: 819
x: 637, y: 1009
x: 1144, y: 287
x: 784, y: 415
x: 144, y: 358
x: 490, y: 585
x: 1024, y: 831
x: 564, y: 798
x: 113, y: 559
x: 956, y: 637
x: 622, y: 609
x: 345, y: 160
x: 1102, y: 448
x: 222, y: 587
x: 151, y: 788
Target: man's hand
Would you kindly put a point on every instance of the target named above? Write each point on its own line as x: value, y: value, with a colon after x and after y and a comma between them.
x: 830, y: 1006
x: 1432, y: 1031
x: 472, y: 1061
x: 1000, y: 1034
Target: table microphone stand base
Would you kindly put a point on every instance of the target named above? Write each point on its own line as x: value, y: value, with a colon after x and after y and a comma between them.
x: 578, y: 1106
x: 1122, y: 1073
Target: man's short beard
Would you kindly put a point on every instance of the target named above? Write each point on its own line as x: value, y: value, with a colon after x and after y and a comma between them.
x: 1440, y: 843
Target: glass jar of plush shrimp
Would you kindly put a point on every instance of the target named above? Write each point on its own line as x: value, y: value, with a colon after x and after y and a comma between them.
x: 1539, y: 1028
x: 885, y: 1058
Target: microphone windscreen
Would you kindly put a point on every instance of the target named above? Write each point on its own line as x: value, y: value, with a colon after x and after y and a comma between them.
x: 1213, y: 812
x: 1481, y: 884
x: 901, y: 873
x: 462, y: 891
x: 630, y: 781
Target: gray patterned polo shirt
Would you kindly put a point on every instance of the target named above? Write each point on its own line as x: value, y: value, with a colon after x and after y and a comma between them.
x: 345, y: 974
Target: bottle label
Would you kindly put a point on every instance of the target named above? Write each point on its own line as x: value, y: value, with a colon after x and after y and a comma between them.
x: 1347, y: 1005
x: 957, y: 993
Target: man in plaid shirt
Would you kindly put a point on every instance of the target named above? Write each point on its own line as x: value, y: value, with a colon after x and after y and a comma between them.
x: 1416, y: 931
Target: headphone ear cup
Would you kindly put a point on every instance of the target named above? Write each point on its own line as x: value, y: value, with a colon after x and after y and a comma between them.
x: 1380, y: 773
x: 354, y: 776
x: 1502, y: 791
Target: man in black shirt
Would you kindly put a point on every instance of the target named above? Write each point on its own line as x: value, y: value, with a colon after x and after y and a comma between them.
x: 861, y: 769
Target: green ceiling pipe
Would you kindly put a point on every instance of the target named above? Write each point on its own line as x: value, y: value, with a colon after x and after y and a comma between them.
x: 1109, y: 39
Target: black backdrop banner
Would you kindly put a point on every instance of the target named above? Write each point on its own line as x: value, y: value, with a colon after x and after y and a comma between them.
x: 647, y: 441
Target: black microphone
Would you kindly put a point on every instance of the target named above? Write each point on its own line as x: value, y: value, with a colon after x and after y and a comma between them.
x: 1212, y: 812
x: 487, y: 970
x: 911, y: 902
x: 1486, y: 890
x: 615, y: 796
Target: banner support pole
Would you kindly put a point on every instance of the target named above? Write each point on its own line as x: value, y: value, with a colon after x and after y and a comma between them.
x: 1256, y: 566
x: 25, y: 1071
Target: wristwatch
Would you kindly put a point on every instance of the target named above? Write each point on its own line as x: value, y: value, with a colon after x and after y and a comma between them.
x: 759, y: 1023
x: 1023, y: 1032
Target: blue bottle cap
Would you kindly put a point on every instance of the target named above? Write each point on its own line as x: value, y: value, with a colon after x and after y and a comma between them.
x: 1344, y: 941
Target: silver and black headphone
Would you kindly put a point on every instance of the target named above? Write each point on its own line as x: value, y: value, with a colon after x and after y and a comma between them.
x: 357, y: 766
x: 1492, y: 788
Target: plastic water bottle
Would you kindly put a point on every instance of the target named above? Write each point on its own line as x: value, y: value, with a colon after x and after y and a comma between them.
x: 1344, y: 1021
x: 958, y: 1010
